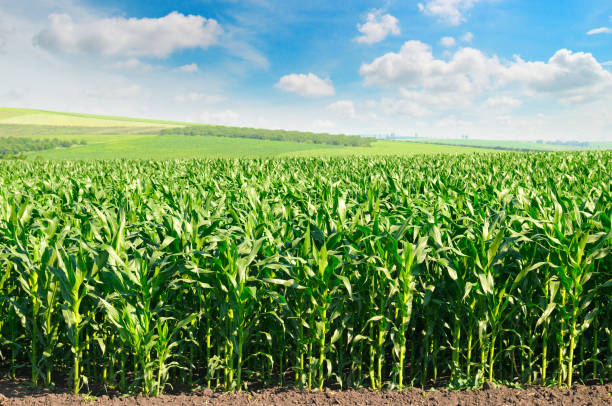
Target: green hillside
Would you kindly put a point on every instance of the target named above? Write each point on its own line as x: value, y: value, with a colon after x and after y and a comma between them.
x: 88, y: 136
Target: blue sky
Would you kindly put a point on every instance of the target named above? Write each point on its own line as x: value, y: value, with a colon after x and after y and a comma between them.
x: 514, y: 69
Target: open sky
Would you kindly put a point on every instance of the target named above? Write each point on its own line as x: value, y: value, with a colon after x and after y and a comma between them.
x: 511, y: 69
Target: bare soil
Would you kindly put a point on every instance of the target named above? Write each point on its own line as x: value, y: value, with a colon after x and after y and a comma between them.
x: 18, y: 394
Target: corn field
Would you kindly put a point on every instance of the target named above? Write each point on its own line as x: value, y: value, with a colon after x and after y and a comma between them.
x: 382, y: 273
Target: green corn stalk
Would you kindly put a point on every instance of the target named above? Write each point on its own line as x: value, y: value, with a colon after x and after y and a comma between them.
x: 73, y: 273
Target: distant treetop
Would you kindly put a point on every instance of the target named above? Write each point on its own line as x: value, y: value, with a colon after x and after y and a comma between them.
x: 270, y: 135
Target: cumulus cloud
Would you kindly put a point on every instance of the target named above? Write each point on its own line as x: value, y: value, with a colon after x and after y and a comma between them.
x: 191, y: 68
x: 447, y: 42
x: 450, y: 11
x: 129, y: 37
x: 602, y: 30
x: 415, y: 65
x: 344, y: 108
x: 469, y: 72
x: 306, y: 85
x: 377, y: 27
x: 564, y: 73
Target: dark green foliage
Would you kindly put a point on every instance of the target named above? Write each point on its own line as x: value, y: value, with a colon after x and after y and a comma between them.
x: 376, y: 272
x: 270, y: 135
x: 17, y: 145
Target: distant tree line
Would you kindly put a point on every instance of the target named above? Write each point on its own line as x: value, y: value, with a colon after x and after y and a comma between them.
x: 270, y: 135
x: 10, y: 146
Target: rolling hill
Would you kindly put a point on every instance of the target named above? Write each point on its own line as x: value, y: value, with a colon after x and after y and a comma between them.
x: 106, y: 137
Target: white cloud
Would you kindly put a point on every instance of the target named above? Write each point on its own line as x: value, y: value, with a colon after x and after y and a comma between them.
x: 415, y: 65
x: 131, y: 64
x: 503, y: 102
x: 193, y: 97
x: 602, y: 30
x: 127, y: 92
x: 306, y: 85
x: 129, y: 37
x: 344, y: 108
x: 447, y: 42
x: 225, y: 117
x: 450, y: 11
x: 191, y: 68
x: 470, y: 72
x: 564, y: 73
x: 467, y: 37
x: 377, y: 27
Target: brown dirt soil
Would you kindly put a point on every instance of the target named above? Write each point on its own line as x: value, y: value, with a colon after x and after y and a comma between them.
x: 12, y: 394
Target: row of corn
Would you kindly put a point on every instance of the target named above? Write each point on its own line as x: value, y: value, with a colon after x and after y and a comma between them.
x: 354, y: 272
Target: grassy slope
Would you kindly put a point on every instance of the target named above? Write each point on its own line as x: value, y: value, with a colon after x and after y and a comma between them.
x: 118, y: 137
x: 18, y: 130
x: 59, y: 120
x: 55, y: 115
x: 156, y: 147
x: 389, y: 148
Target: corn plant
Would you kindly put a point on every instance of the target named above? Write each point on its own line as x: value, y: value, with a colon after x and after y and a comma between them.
x: 382, y: 272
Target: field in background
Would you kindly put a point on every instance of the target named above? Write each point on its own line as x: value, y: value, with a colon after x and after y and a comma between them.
x: 150, y: 146
x: 107, y: 137
x: 67, y: 119
x: 388, y: 148
x: 147, y: 146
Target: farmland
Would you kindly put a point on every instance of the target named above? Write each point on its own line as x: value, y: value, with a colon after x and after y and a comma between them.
x: 106, y: 137
x: 151, y: 146
x: 376, y: 272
